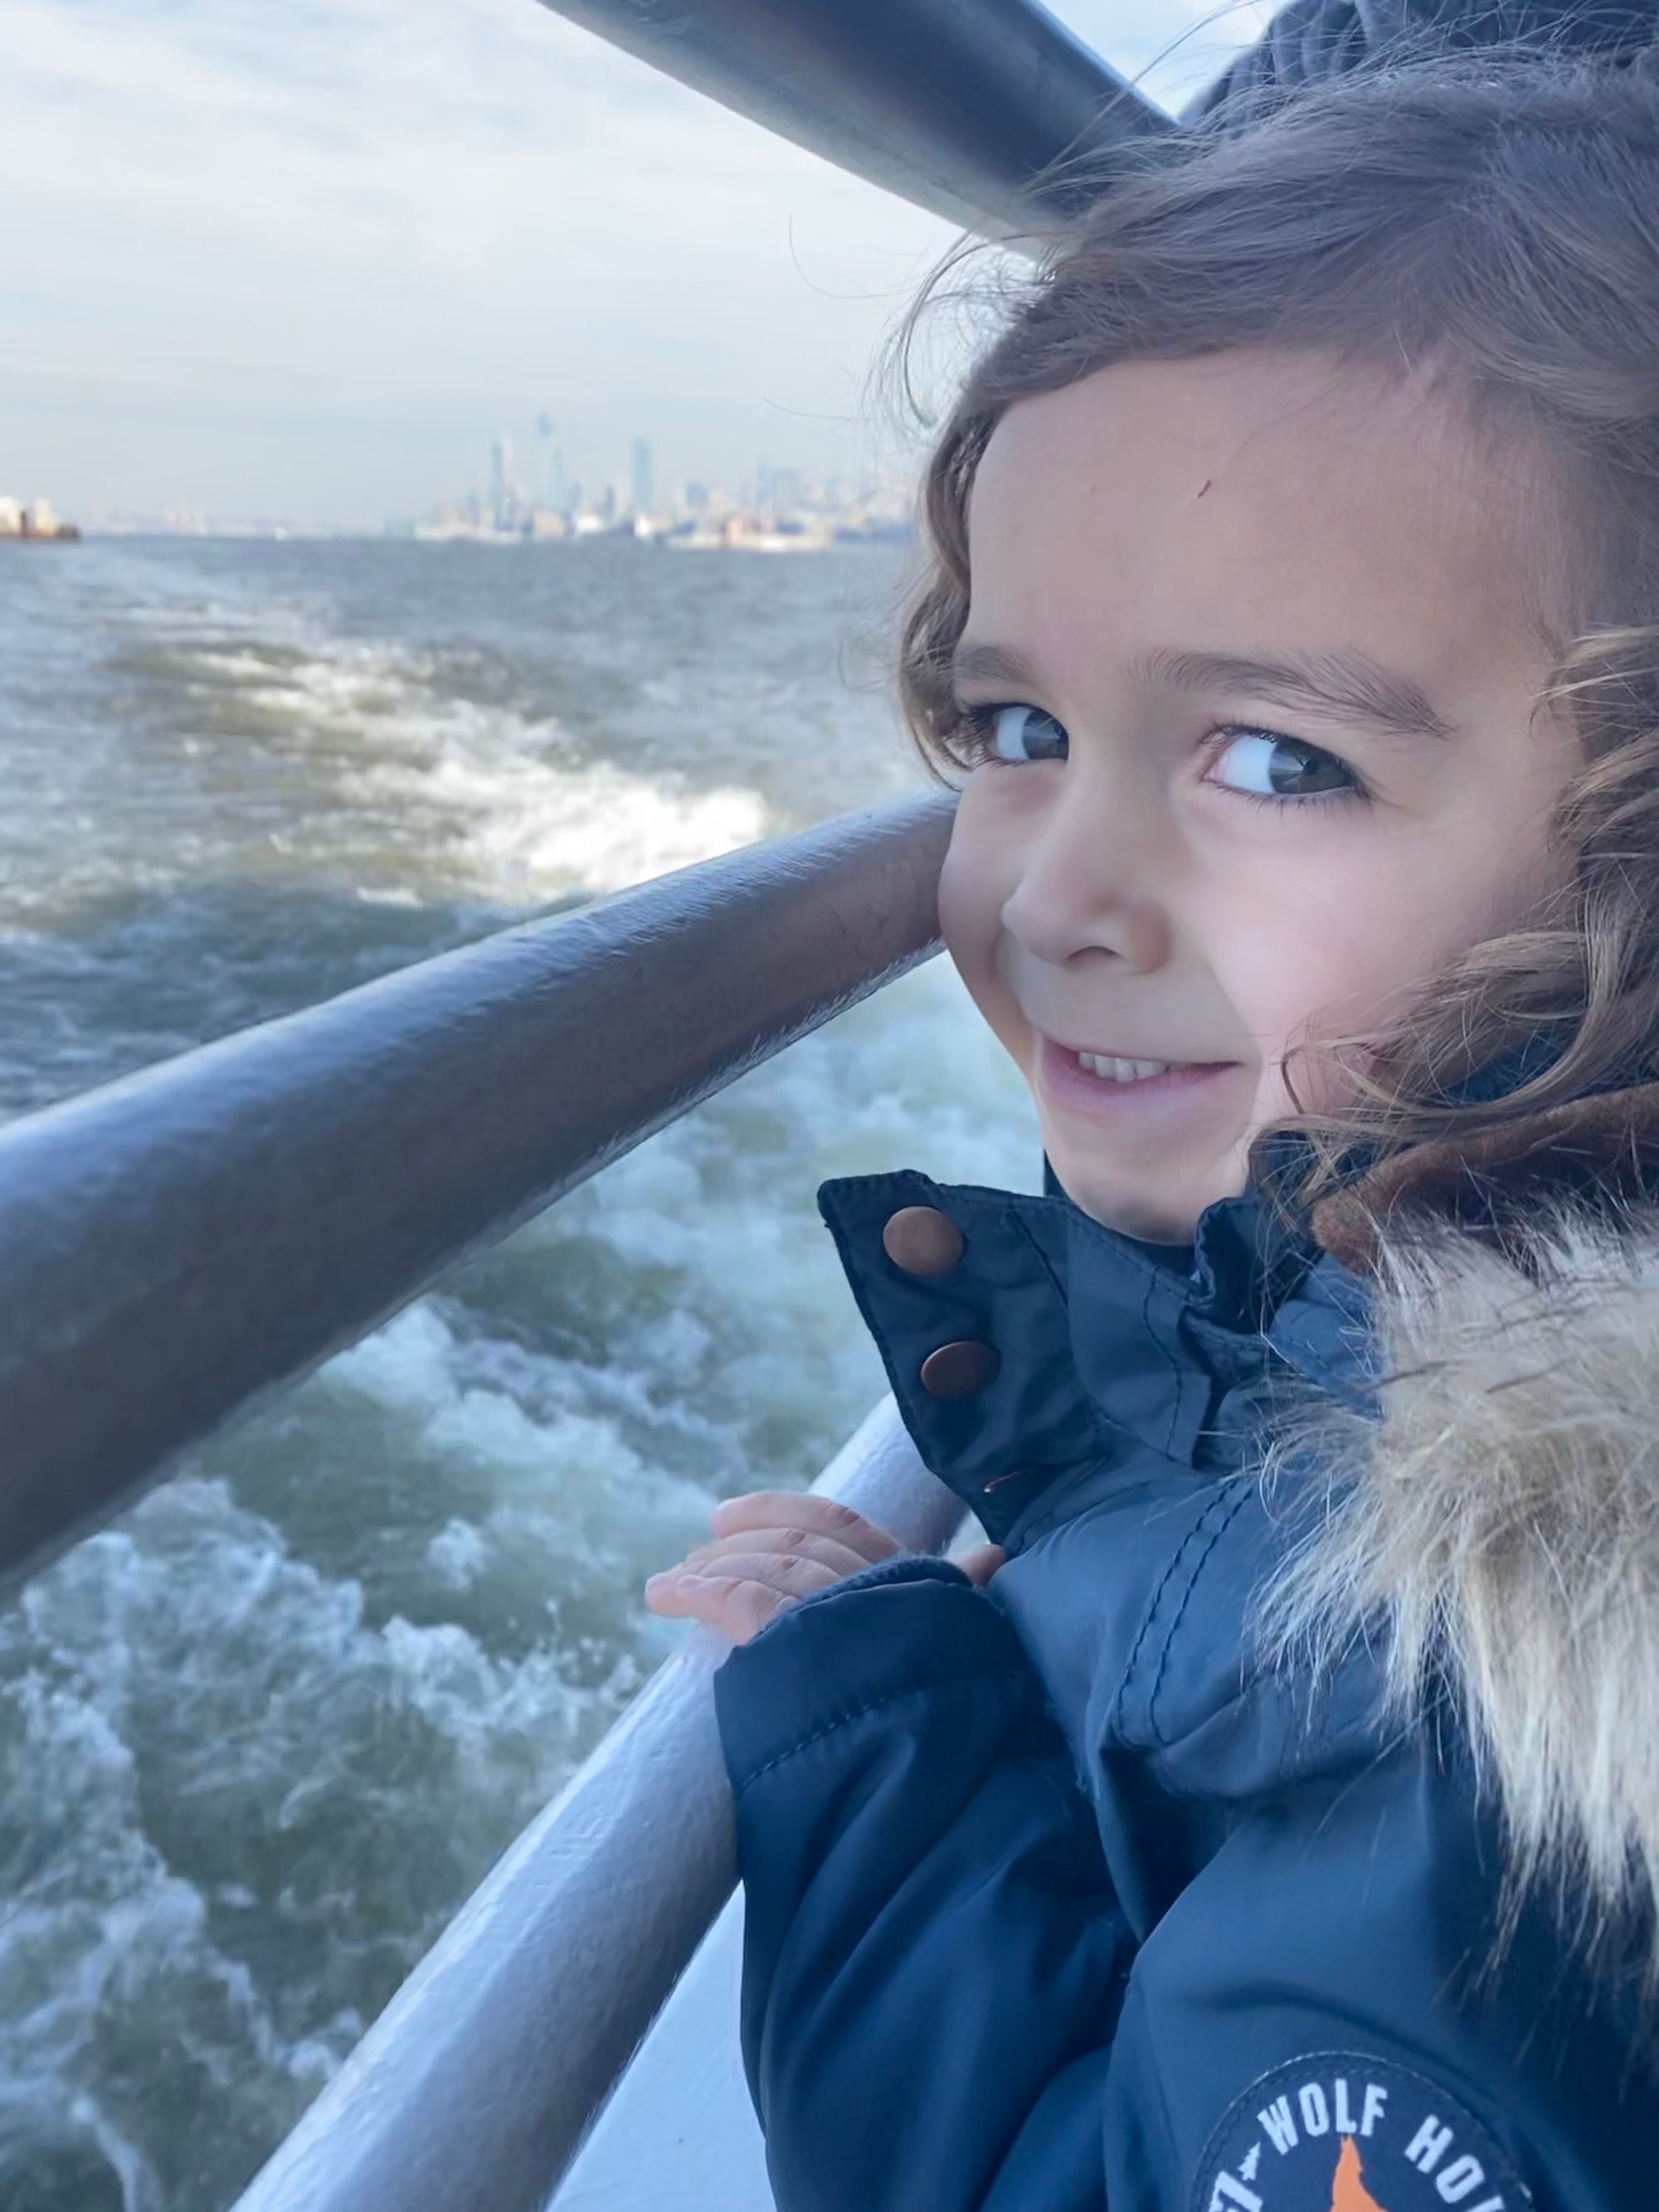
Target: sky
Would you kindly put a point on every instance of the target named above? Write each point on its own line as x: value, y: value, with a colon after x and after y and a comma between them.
x: 307, y: 259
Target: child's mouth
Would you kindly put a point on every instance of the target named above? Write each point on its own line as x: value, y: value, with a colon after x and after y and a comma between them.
x: 1108, y: 1083
x: 1114, y: 1070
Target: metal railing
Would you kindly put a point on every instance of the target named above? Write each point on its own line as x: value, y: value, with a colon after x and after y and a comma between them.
x: 175, y: 1246
x: 985, y: 112
x: 472, y: 2090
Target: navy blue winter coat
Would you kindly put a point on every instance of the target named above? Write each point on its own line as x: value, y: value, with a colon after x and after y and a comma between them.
x: 1057, y: 1897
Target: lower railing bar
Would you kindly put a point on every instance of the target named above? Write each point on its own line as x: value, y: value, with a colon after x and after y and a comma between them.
x: 176, y: 1244
x: 473, y: 2090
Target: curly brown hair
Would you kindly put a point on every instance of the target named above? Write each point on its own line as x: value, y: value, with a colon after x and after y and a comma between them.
x: 1495, y: 225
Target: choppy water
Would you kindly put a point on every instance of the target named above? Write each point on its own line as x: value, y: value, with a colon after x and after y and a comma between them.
x: 259, y: 1738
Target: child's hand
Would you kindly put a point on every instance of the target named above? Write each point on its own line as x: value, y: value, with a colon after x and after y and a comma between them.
x: 772, y: 1547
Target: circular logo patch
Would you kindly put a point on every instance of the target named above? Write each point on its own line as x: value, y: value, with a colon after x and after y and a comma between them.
x: 1337, y: 2131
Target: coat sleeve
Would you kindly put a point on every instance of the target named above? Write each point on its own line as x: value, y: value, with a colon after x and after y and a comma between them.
x: 1332, y: 2010
x: 933, y: 1956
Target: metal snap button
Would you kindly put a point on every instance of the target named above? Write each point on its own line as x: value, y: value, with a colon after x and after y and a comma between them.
x: 921, y: 1240
x: 957, y: 1370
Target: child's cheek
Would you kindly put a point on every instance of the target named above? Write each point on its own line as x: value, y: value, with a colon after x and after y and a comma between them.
x: 980, y: 875
x: 1340, y: 946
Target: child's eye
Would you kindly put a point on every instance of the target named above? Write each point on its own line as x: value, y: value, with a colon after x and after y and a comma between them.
x: 1012, y: 734
x: 1262, y: 766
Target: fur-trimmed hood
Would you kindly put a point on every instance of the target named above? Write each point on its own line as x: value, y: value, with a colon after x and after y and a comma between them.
x: 1499, y: 1522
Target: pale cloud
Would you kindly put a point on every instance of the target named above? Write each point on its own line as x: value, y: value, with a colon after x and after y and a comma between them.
x: 308, y: 259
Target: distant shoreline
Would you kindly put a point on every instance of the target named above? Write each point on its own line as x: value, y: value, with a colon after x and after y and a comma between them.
x: 256, y: 534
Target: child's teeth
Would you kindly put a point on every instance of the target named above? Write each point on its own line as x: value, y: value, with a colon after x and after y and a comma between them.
x: 1123, y: 1071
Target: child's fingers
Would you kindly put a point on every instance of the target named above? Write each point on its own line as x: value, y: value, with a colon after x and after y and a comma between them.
x: 740, y: 1606
x: 781, y: 1543
x: 742, y: 1609
x: 720, y: 1604
x: 980, y: 1563
x: 798, y: 1508
x: 770, y: 1548
x: 789, y: 1573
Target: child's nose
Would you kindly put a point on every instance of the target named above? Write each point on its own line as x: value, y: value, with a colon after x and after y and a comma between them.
x: 1076, y: 897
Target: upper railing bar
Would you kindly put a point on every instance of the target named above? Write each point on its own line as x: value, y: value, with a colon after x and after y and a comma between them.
x: 176, y: 1245
x: 959, y: 106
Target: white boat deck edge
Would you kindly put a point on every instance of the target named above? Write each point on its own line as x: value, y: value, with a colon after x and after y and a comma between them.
x: 679, y: 2134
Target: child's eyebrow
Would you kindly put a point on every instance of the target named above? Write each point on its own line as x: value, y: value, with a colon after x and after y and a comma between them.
x: 990, y: 664
x: 1343, y: 682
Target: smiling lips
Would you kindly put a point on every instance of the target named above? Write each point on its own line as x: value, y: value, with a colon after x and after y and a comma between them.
x: 1119, y: 1067
x: 1121, y: 1088
x: 1123, y: 1071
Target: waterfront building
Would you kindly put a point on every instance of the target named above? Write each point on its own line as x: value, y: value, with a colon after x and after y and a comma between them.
x: 36, y: 518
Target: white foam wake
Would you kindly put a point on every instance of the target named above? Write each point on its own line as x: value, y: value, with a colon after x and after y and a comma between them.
x: 381, y: 765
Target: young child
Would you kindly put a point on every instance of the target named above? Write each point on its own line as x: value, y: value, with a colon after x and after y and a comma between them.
x: 1274, y: 1829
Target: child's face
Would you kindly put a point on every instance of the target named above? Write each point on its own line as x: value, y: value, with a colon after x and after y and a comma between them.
x: 1268, y: 754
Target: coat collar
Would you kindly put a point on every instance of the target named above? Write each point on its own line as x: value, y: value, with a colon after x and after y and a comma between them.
x: 1601, y: 1147
x: 1097, y: 1340
x: 1073, y: 1344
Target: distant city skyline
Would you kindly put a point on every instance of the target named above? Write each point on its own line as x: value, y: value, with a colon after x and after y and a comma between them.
x: 518, y: 496
x: 308, y: 264
x: 507, y: 477
x: 518, y: 483
x: 777, y: 509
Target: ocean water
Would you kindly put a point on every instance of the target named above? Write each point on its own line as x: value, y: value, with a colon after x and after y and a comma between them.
x: 261, y: 1736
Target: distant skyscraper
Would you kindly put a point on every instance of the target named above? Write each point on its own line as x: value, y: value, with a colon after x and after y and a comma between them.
x: 644, y: 491
x: 502, y: 497
x: 549, y: 458
x: 696, y: 497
